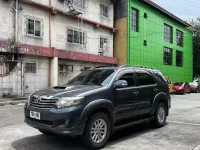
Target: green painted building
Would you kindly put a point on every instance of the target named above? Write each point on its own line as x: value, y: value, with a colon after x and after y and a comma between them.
x: 151, y: 36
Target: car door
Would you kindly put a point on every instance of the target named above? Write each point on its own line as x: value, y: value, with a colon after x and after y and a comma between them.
x: 148, y: 89
x: 126, y: 99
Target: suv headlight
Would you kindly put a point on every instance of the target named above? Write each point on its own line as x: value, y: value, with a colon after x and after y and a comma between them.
x: 68, y: 102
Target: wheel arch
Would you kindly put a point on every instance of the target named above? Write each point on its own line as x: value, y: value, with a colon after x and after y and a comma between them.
x: 101, y: 105
x: 161, y: 97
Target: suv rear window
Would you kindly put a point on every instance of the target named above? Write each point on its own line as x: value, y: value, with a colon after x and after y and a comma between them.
x: 161, y: 77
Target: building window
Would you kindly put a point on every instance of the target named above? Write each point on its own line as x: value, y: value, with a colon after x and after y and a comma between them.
x: 78, y: 3
x: 76, y: 37
x: 179, y: 58
x: 103, y: 45
x: 179, y: 38
x: 104, y: 10
x: 30, y: 67
x: 168, y: 33
x: 134, y: 19
x: 167, y: 57
x: 34, y: 27
x: 103, y: 42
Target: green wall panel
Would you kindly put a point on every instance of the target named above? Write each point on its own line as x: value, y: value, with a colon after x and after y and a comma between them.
x: 152, y: 30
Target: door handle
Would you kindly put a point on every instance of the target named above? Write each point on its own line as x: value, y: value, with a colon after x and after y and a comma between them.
x: 156, y: 90
x: 136, y: 93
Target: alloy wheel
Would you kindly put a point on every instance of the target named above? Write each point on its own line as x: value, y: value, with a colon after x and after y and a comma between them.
x: 98, y: 131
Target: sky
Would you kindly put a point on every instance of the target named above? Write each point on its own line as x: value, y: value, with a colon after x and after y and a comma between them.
x: 184, y: 9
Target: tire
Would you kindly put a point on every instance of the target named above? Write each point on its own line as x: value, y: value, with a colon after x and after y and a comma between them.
x: 46, y: 132
x: 160, y: 122
x: 95, y: 144
x: 189, y: 92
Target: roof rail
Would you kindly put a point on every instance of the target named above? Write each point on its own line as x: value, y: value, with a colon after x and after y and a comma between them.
x: 101, y: 66
x: 137, y: 66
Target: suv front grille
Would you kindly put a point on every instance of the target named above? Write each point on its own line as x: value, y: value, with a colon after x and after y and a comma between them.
x: 42, y: 103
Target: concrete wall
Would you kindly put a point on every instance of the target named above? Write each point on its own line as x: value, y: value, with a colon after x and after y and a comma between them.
x: 39, y: 80
x: 6, y: 20
x: 59, y: 25
x: 120, y: 41
x: 91, y: 10
x: 12, y: 82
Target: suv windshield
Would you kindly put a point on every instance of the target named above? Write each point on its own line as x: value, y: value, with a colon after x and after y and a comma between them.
x: 94, y: 77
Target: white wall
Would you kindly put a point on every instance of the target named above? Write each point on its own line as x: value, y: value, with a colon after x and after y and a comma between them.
x: 30, y: 11
x: 6, y: 20
x: 12, y: 82
x: 39, y: 80
x: 60, y: 24
x: 91, y: 10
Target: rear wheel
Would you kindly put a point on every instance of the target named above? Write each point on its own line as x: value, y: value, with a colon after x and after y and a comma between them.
x: 97, y: 131
x: 160, y: 115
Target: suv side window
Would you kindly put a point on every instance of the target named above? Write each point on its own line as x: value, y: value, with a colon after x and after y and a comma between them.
x: 144, y: 78
x: 129, y: 78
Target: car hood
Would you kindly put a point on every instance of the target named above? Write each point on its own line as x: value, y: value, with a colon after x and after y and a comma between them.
x: 66, y: 91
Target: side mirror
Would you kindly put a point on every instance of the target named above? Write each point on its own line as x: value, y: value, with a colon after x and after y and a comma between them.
x: 121, y: 84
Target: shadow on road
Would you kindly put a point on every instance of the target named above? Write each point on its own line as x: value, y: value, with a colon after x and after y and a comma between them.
x: 43, y: 142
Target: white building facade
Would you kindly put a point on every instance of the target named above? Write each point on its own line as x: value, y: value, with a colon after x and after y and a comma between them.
x: 44, y: 43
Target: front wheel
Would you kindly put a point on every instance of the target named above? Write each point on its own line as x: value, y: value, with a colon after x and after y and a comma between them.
x: 97, y: 131
x: 160, y: 115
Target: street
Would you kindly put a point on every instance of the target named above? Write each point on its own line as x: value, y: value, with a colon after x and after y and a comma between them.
x: 182, y: 131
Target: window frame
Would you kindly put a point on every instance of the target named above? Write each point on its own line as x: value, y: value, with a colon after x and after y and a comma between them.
x: 167, y: 35
x: 33, y: 68
x: 79, y: 35
x: 166, y: 57
x: 179, y: 41
x: 104, y: 38
x: 135, y: 29
x: 123, y: 72
x: 102, y: 8
x: 75, y: 5
x: 34, y: 30
x: 178, y: 64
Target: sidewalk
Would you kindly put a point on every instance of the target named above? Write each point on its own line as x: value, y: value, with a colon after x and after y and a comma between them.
x: 12, y: 101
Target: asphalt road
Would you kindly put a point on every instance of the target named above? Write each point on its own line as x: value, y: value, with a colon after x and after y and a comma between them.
x: 182, y: 131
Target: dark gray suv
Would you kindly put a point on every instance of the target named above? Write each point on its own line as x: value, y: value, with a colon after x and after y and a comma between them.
x: 99, y: 101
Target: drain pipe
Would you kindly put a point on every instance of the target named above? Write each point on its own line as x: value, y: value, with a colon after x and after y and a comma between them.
x: 16, y: 20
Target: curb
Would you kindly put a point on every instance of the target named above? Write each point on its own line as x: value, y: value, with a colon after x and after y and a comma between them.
x: 12, y: 102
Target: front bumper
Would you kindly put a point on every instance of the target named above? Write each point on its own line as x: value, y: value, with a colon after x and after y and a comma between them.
x: 56, y: 121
